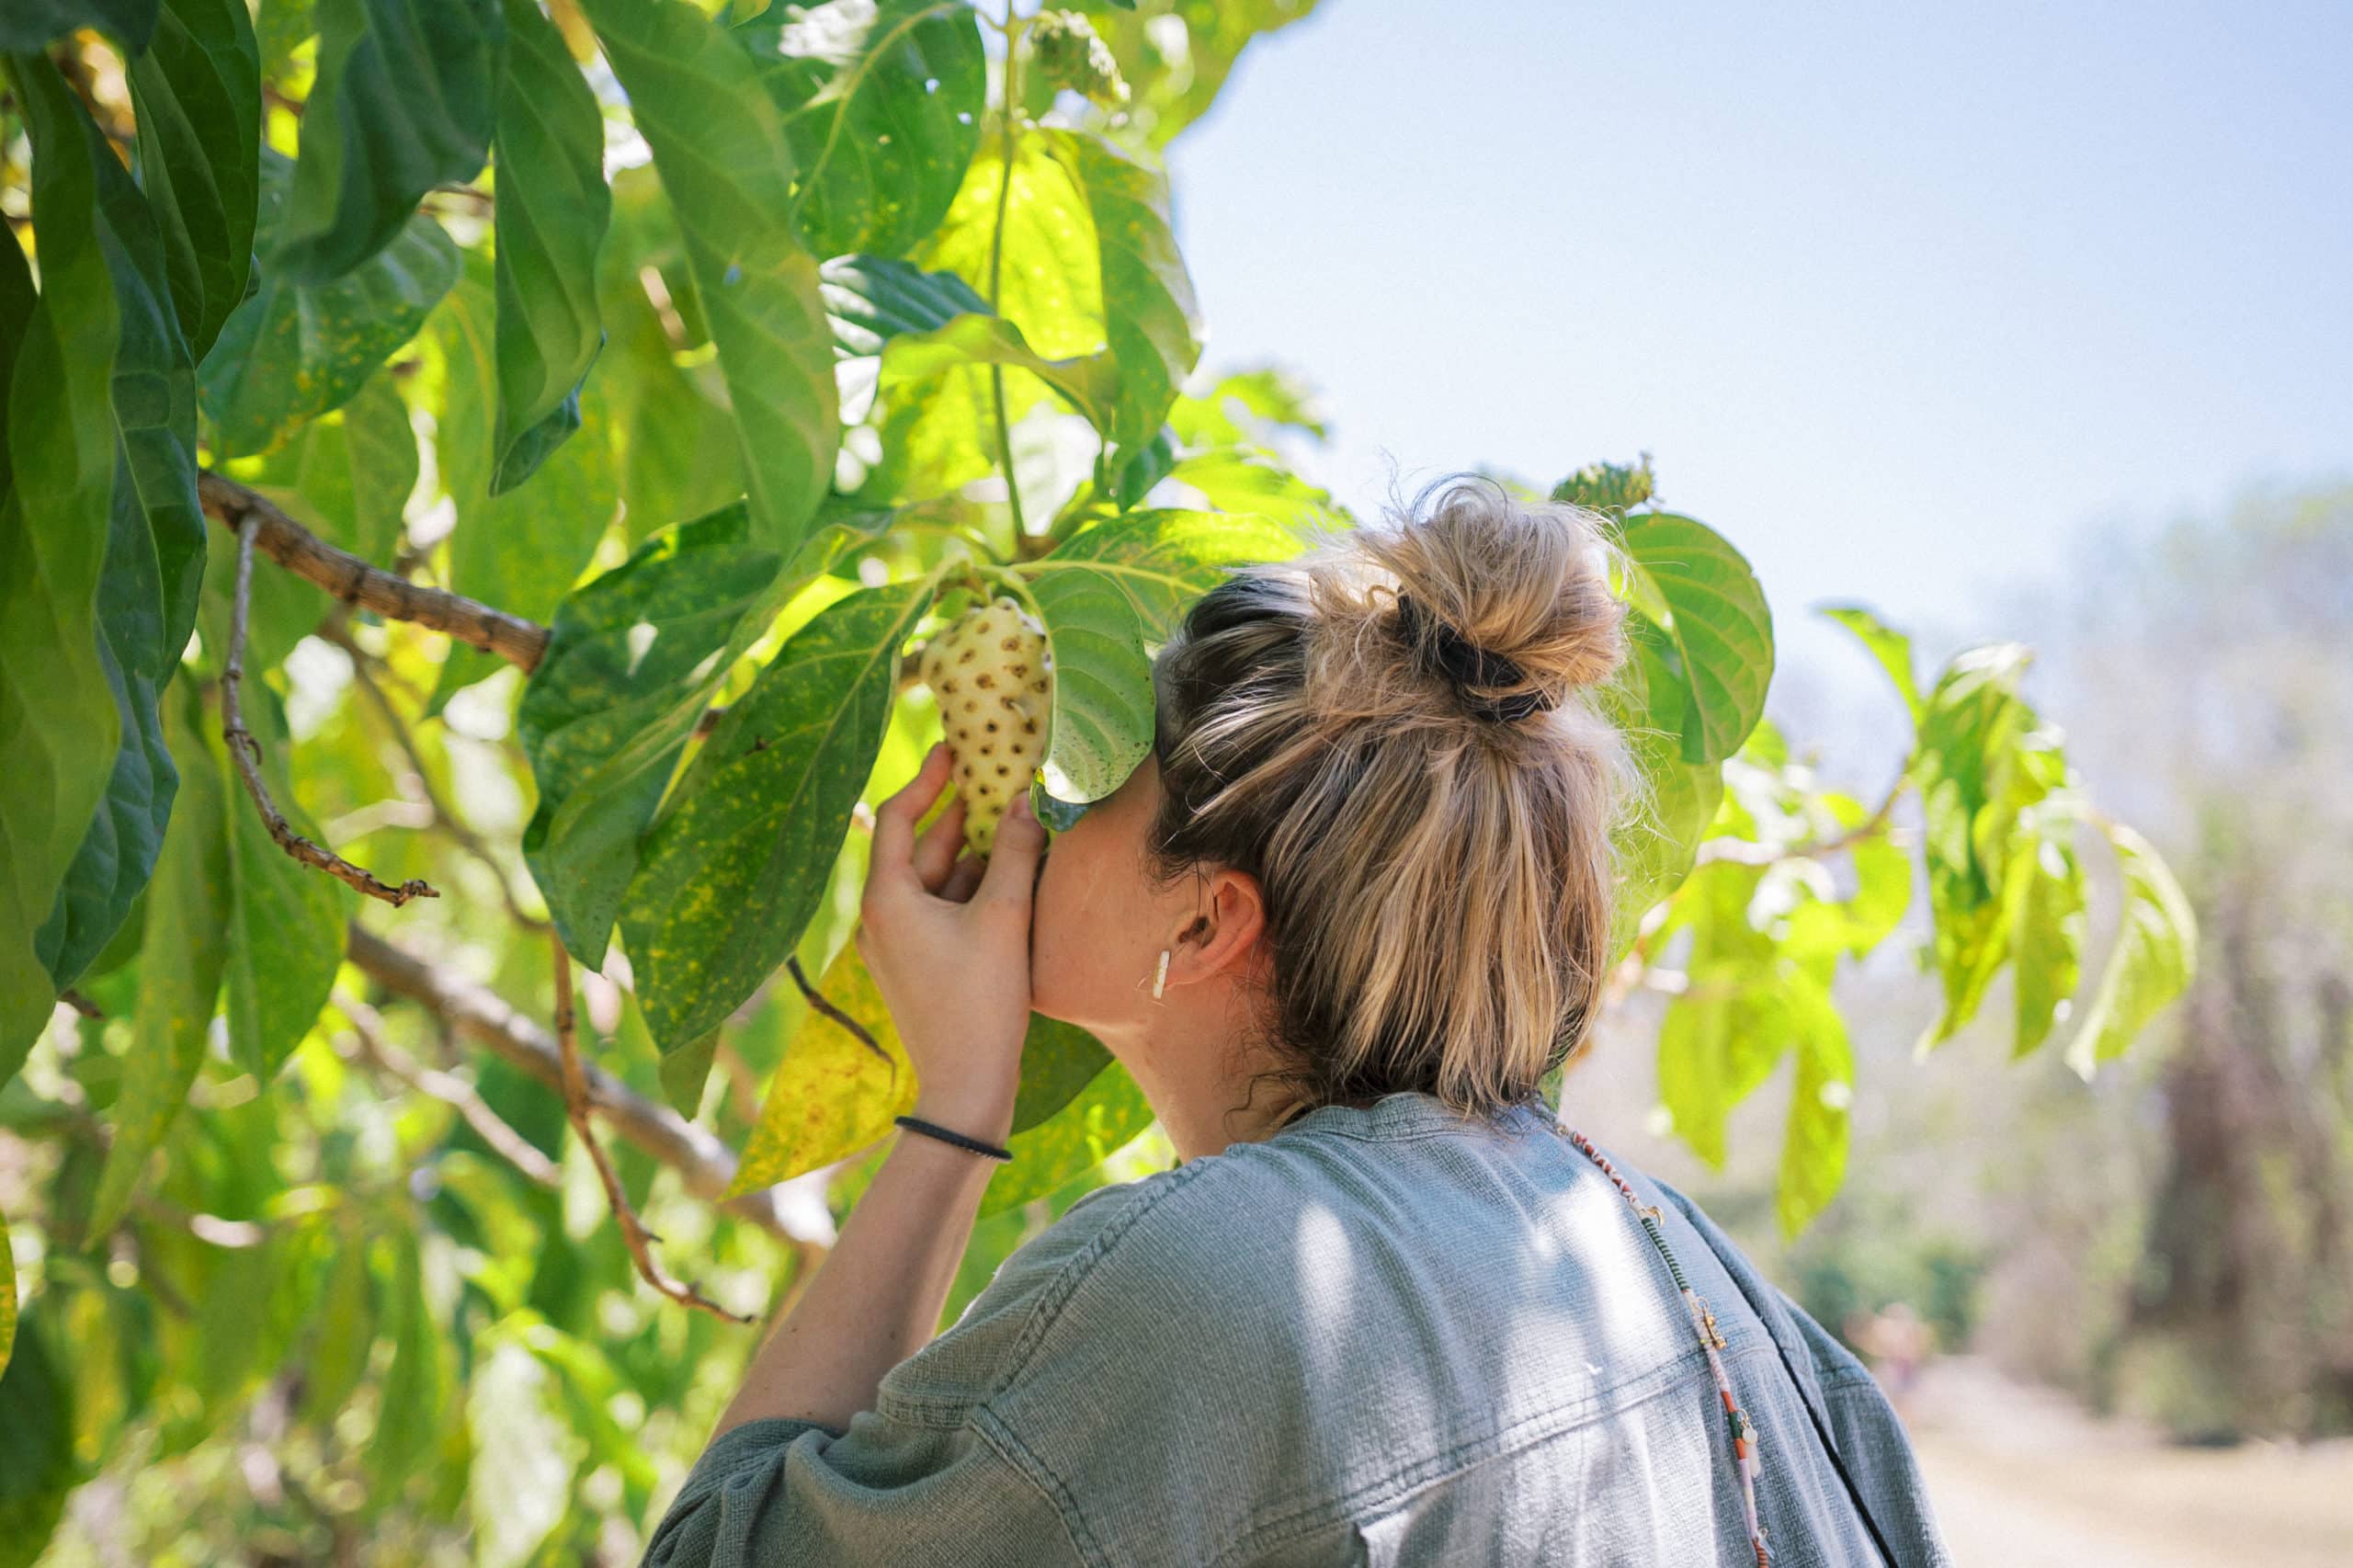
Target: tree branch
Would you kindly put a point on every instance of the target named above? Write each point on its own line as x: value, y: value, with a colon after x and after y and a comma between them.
x: 639, y: 1240
x: 247, y: 752
x: 519, y: 641
x: 791, y: 1209
x: 372, y: 1047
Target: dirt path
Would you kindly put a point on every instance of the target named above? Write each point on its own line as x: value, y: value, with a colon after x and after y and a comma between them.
x: 2022, y: 1479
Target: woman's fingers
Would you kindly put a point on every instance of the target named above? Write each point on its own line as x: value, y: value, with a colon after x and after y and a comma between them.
x: 895, y: 823
x: 963, y: 878
x: 936, y: 847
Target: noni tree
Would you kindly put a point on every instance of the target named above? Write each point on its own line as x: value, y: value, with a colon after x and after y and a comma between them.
x: 484, y: 484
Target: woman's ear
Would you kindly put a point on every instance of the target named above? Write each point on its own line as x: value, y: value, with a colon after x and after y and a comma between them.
x: 1224, y: 934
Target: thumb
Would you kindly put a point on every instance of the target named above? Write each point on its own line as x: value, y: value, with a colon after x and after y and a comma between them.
x: 1013, y: 857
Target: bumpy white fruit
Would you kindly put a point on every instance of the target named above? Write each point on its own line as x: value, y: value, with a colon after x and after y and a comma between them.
x: 994, y: 680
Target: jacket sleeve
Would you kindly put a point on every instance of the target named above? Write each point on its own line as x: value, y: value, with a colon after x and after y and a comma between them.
x: 932, y: 1474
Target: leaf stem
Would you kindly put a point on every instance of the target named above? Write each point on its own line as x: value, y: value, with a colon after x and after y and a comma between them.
x: 575, y: 1104
x: 996, y: 267
x: 246, y: 751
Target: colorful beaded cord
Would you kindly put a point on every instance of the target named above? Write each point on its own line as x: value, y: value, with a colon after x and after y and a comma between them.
x: 1744, y: 1435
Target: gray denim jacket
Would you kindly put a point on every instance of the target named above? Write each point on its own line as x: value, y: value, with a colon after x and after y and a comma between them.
x: 1383, y: 1335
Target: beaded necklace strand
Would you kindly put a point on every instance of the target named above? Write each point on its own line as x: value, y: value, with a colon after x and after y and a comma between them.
x: 1743, y: 1434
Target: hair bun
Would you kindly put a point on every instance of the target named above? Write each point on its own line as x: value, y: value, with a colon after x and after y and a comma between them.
x: 1509, y: 600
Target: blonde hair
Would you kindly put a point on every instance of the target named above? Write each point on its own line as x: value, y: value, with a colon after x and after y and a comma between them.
x: 1438, y: 884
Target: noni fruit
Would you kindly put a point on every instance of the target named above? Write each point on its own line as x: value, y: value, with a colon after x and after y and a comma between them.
x: 994, y: 680
x: 1073, y: 55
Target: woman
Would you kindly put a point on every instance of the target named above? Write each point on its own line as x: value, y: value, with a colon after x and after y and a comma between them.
x: 1385, y: 1309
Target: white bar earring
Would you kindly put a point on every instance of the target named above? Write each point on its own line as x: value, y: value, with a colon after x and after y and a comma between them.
x: 1162, y: 978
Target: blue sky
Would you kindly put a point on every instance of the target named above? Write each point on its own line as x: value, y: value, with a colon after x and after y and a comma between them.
x: 1903, y: 299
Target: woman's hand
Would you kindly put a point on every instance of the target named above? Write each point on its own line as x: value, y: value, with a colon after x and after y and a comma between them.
x: 947, y: 943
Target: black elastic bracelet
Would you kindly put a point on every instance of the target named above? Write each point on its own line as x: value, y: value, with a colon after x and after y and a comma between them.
x: 974, y: 1145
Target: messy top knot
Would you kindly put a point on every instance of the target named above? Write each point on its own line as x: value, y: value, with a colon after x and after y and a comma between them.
x: 1395, y: 732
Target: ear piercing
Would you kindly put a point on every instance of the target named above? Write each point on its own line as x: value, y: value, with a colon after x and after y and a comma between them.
x: 1160, y: 979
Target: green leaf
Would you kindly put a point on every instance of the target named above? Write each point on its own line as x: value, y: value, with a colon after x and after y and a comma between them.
x: 404, y: 100
x: 633, y: 660
x: 1049, y: 278
x: 1089, y: 383
x: 415, y: 1388
x: 522, y: 549
x: 1104, y: 1117
x: 345, y: 1331
x: 519, y: 1488
x: 2154, y: 960
x: 1057, y: 1061
x: 1718, y: 627
x: 552, y: 208
x: 1892, y: 648
x: 883, y: 105
x: 190, y: 911
x: 1104, y: 594
x: 720, y: 146
x: 733, y: 870
x: 1970, y: 721
x: 155, y: 563
x: 1814, y: 1149
x: 830, y: 1096
x: 37, y: 1464
x: 1176, y: 58
x: 56, y: 706
x: 1149, y: 313
x: 286, y: 936
x: 294, y: 350
x: 28, y: 25
x: 2043, y: 905
x: 871, y: 299
x: 347, y: 475
x: 197, y: 94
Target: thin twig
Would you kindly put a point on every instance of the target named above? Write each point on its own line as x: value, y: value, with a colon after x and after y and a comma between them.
x: 371, y: 1046
x: 519, y: 641
x: 576, y: 1104
x: 247, y: 752
x: 449, y: 822
x: 816, y: 999
x: 1748, y: 852
x: 793, y: 1210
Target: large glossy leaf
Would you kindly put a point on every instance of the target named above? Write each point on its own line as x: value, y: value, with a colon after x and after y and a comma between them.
x: 286, y: 933
x: 293, y: 351
x: 154, y: 564
x: 36, y: 1438
x: 1048, y: 273
x: 1101, y: 1120
x: 59, y: 725
x: 189, y: 908
x: 1656, y: 848
x: 733, y: 870
x: 404, y: 100
x: 1105, y: 593
x: 720, y: 145
x: 347, y: 475
x: 830, y: 1096
x: 28, y: 25
x: 1090, y: 384
x: 2153, y: 962
x: 1149, y: 313
x: 883, y: 104
x: 553, y: 205
x: 415, y: 1388
x: 633, y: 660
x: 1718, y: 629
x: 524, y: 548
x: 198, y: 93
